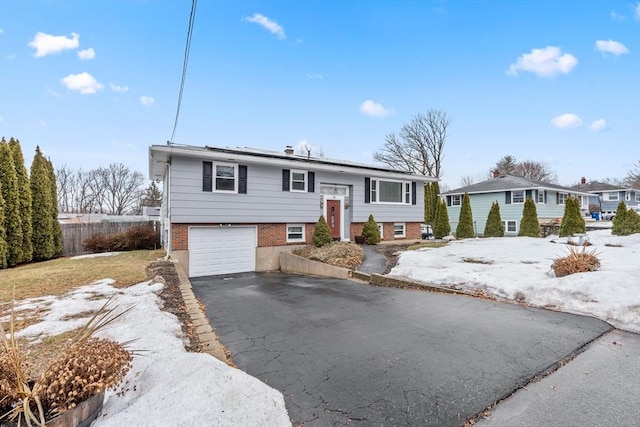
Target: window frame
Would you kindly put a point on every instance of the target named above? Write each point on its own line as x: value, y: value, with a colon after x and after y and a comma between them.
x: 540, y: 196
x: 405, y: 191
x: 381, y: 229
x: 305, y: 181
x: 302, y: 233
x: 513, y: 197
x: 505, y: 223
x: 214, y: 173
x: 404, y: 229
x: 616, y: 197
x: 637, y: 196
x: 562, y: 198
x: 458, y: 198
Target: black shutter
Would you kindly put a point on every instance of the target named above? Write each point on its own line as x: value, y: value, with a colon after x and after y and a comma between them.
x: 557, y: 198
x: 413, y: 193
x: 367, y: 189
x: 545, y: 196
x: 207, y: 171
x: 507, y: 197
x: 285, y: 179
x: 448, y: 200
x: 528, y: 194
x: 242, y: 179
x: 312, y: 182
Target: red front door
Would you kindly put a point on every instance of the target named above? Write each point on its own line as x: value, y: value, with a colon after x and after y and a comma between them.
x: 333, y: 217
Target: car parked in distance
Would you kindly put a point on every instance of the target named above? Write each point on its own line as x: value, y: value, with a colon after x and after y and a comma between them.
x: 427, y: 233
x: 608, y: 216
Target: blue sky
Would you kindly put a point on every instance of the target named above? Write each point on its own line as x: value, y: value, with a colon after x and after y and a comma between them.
x: 95, y: 82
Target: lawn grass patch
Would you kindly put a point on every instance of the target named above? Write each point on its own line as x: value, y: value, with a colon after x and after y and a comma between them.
x: 422, y: 245
x: 58, y: 276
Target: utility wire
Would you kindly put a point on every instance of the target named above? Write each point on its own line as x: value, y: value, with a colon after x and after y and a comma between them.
x: 187, y: 48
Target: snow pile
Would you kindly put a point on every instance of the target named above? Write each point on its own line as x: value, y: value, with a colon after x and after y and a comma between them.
x: 518, y: 267
x: 166, y: 385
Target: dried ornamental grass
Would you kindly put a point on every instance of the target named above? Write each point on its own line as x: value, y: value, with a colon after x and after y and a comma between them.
x: 579, y: 260
x: 87, y: 367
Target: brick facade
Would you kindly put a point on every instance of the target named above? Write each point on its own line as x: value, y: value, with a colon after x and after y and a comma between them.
x: 268, y: 234
x: 412, y: 230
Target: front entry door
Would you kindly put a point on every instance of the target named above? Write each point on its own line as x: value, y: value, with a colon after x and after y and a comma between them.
x: 333, y: 217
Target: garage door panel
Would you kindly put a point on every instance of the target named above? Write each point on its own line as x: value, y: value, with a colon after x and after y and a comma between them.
x: 215, y: 250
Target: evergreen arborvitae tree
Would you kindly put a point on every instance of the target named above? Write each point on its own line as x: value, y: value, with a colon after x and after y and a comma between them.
x: 9, y: 190
x: 494, y: 226
x: 322, y: 233
x: 56, y: 229
x: 464, y: 229
x: 42, y: 208
x: 630, y: 224
x: 619, y: 219
x: 435, y: 200
x: 3, y: 243
x: 529, y: 225
x: 371, y: 232
x: 572, y: 221
x: 441, y: 227
x: 428, y: 204
x: 24, y: 189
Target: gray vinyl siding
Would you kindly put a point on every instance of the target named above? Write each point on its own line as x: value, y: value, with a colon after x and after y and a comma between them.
x: 265, y: 202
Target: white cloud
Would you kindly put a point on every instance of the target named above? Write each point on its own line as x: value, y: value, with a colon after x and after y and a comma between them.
x: 637, y: 11
x: 267, y: 23
x: 46, y: 44
x: 375, y: 109
x: 313, y: 76
x: 87, y: 54
x: 611, y: 46
x: 84, y: 83
x: 567, y: 121
x: 598, y: 125
x: 147, y: 100
x: 545, y: 62
x: 116, y: 88
x: 615, y: 16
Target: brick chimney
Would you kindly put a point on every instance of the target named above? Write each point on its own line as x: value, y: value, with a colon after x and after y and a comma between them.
x: 496, y: 173
x: 583, y: 180
x: 288, y: 150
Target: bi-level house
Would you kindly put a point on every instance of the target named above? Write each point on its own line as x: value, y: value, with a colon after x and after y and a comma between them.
x: 228, y: 210
x: 510, y: 192
x: 608, y: 196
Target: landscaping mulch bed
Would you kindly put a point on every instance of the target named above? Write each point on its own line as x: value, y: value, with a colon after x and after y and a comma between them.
x: 173, y: 301
x: 390, y: 252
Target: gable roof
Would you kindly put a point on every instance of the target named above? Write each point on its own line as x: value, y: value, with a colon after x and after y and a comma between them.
x: 159, y: 155
x: 598, y: 187
x: 510, y: 183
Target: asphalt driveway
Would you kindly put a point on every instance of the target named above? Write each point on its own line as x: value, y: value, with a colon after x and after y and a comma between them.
x: 345, y: 353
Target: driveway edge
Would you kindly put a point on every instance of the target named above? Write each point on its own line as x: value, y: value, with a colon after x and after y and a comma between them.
x: 207, y: 336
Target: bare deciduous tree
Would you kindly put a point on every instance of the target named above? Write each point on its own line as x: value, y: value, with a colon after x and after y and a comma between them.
x: 120, y: 187
x: 633, y: 177
x: 115, y: 190
x: 538, y: 171
x: 419, y: 148
x: 467, y: 180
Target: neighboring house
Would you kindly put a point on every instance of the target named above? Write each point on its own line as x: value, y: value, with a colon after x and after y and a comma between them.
x: 608, y: 196
x: 510, y: 192
x: 228, y: 210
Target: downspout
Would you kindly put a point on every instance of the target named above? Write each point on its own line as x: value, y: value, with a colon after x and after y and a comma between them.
x: 168, y: 193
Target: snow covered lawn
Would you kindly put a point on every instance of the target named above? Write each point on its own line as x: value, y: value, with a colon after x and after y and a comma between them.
x: 166, y: 385
x: 518, y: 267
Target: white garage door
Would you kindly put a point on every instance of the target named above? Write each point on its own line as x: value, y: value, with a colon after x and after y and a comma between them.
x: 215, y: 250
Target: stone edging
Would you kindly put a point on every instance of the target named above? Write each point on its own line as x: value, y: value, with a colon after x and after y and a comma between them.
x: 206, y: 334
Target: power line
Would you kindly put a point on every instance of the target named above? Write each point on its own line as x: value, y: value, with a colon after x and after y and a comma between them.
x: 187, y: 48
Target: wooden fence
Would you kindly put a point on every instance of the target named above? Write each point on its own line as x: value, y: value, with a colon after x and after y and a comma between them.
x: 74, y: 235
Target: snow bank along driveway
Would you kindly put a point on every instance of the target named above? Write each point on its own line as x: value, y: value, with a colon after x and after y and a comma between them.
x: 518, y: 267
